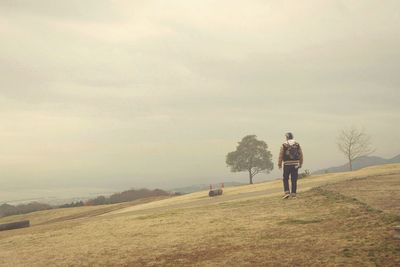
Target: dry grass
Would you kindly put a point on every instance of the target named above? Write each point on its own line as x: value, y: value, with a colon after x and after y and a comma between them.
x: 322, y: 227
x: 57, y: 215
x: 382, y: 192
x: 270, y: 187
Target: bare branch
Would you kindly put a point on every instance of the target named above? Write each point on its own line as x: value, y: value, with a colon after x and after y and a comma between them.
x: 354, y: 143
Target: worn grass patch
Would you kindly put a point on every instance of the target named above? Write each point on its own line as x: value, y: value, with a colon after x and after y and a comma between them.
x: 159, y: 215
x: 299, y: 221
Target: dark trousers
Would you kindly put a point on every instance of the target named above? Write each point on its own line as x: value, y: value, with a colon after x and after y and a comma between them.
x: 292, y: 171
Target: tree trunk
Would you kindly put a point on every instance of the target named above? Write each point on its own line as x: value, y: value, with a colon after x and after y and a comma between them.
x: 350, y: 164
x: 250, y: 176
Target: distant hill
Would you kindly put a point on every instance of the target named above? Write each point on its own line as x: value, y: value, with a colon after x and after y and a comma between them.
x: 6, y: 209
x: 126, y: 196
x: 360, y: 163
x: 201, y: 187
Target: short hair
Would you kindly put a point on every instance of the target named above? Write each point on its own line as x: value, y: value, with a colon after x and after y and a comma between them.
x: 289, y: 136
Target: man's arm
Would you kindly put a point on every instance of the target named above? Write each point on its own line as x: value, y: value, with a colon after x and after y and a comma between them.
x: 280, y: 158
x: 301, y: 156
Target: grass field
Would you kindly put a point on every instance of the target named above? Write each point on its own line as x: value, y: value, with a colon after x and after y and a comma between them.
x: 344, y: 219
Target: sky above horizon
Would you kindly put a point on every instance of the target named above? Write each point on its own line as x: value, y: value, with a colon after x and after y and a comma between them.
x: 156, y: 93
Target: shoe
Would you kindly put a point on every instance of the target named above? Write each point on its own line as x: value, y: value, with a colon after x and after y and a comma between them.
x: 285, y: 196
x: 293, y: 195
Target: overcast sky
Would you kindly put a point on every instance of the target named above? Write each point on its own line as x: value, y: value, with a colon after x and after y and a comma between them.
x: 156, y: 93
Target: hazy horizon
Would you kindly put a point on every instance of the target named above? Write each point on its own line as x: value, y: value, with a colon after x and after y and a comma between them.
x: 110, y: 95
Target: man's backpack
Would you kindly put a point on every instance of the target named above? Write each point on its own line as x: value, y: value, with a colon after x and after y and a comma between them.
x: 292, y: 152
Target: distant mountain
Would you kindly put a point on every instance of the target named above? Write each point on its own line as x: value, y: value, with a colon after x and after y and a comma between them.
x: 360, y: 163
x: 395, y: 159
x: 201, y: 187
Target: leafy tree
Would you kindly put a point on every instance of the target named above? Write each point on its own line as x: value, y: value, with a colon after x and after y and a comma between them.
x: 251, y: 155
x: 354, y: 143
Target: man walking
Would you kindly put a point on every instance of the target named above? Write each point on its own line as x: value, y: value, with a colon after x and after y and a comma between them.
x: 292, y: 158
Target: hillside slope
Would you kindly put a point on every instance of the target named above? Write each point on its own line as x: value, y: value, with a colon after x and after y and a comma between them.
x: 336, y: 220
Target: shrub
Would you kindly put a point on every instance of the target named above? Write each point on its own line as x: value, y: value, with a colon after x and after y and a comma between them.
x: 304, y: 174
x: 126, y: 196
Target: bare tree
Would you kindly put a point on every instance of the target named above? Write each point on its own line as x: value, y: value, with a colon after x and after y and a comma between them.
x: 354, y: 143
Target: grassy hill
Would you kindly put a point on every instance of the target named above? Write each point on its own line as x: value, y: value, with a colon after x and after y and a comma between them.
x: 343, y: 219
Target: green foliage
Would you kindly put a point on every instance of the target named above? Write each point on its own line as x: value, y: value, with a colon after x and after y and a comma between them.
x: 251, y: 155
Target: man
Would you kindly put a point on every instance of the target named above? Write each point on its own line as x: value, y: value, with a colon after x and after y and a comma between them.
x: 292, y: 158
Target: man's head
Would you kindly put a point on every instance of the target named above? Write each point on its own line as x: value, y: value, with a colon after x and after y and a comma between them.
x: 289, y: 136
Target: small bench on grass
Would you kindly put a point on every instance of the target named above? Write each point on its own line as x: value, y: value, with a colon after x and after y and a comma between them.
x: 216, y: 192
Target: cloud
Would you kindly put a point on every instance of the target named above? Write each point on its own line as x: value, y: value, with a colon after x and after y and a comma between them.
x: 140, y: 92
